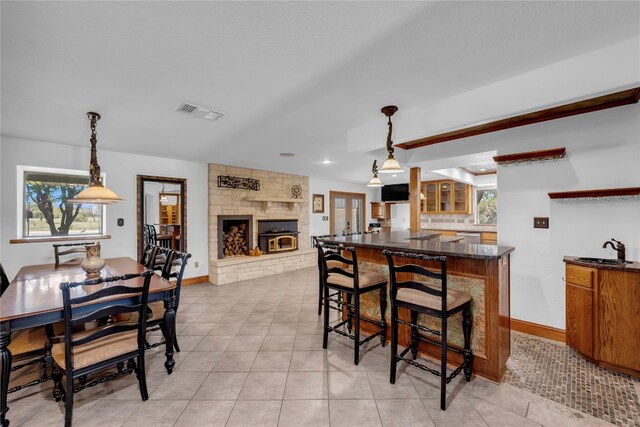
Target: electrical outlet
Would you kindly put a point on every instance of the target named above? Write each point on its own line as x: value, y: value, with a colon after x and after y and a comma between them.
x: 196, y: 264
x: 540, y: 222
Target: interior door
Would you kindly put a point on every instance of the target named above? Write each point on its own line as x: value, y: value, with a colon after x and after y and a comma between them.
x: 347, y: 212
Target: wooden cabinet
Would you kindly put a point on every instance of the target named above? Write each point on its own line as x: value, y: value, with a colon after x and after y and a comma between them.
x: 602, y: 316
x: 489, y: 238
x: 445, y: 196
x: 380, y: 210
x: 170, y: 211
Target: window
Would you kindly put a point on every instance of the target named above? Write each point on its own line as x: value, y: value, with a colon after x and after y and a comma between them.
x: 487, y: 206
x: 43, y: 209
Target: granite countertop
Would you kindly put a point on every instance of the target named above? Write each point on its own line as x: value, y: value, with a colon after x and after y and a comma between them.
x: 471, y: 228
x: 634, y: 266
x: 428, y: 243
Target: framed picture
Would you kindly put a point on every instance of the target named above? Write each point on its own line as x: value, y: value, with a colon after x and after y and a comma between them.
x: 318, y: 203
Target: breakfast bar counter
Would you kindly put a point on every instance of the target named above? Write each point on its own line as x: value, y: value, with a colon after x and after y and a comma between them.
x: 480, y: 270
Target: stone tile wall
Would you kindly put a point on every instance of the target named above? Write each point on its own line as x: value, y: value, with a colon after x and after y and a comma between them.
x: 229, y: 201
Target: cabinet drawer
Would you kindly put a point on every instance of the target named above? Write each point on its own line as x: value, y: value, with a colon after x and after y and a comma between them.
x: 581, y: 276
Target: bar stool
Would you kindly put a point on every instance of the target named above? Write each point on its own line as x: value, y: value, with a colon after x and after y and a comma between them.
x: 432, y: 300
x: 316, y: 241
x: 353, y: 283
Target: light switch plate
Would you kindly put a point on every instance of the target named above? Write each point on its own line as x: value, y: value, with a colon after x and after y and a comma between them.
x: 120, y: 222
x: 325, y: 218
x: 540, y: 222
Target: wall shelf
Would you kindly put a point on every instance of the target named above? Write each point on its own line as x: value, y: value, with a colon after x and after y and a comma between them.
x: 601, y: 193
x: 531, y: 156
x: 266, y: 201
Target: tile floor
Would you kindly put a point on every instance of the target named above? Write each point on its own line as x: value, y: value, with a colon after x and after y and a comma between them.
x: 252, y: 356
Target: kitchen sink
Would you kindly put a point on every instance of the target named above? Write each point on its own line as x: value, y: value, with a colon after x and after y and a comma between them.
x: 604, y: 261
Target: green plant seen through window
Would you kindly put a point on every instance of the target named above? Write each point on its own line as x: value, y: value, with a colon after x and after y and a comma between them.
x: 47, y: 211
x: 487, y: 206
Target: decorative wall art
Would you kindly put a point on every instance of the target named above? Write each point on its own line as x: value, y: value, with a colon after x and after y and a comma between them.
x: 318, y: 203
x: 228, y: 181
x: 296, y: 192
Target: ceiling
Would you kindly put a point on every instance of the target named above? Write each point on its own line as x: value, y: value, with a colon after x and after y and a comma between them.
x: 291, y: 76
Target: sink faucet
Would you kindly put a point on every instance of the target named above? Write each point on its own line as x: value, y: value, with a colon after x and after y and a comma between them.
x: 619, y: 247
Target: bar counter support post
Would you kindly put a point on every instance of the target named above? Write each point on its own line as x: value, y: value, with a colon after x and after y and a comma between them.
x: 5, y: 359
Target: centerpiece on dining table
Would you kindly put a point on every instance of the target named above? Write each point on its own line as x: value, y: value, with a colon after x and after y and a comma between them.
x: 93, y: 263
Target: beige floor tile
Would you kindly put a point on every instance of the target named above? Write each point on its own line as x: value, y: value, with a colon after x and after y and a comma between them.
x: 495, y: 416
x: 340, y: 358
x: 108, y: 413
x: 225, y: 329
x: 308, y: 361
x: 234, y: 318
x: 350, y: 413
x: 178, y: 386
x: 157, y: 413
x: 309, y: 328
x: 403, y: 413
x: 221, y: 386
x: 214, y: 343
x: 428, y: 385
x: 53, y: 415
x: 242, y: 308
x: 307, y: 385
x: 383, y: 389
x: 505, y: 396
x: 278, y: 343
x: 459, y: 413
x: 289, y: 317
x: 186, y: 343
x: 248, y: 413
x: 200, y: 361
x: 197, y: 329
x: 282, y: 329
x: 246, y: 343
x: 235, y: 361
x: 307, y: 413
x: 261, y: 318
x: 207, y: 317
x: 255, y: 328
x: 264, y: 386
x: 272, y: 361
x: 21, y: 410
x: 349, y: 385
x: 209, y: 413
x: 308, y: 342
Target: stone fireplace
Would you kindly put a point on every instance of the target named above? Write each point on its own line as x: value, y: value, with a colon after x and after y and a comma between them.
x: 235, y: 235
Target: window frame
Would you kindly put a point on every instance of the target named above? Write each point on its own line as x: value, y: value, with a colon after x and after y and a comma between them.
x: 20, y: 203
x: 476, y: 219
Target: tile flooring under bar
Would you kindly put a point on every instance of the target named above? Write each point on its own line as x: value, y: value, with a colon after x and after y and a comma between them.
x: 252, y: 356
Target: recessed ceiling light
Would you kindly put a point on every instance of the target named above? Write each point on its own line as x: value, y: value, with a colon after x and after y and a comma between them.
x: 394, y: 174
x: 483, y: 169
x: 287, y: 154
x: 326, y: 162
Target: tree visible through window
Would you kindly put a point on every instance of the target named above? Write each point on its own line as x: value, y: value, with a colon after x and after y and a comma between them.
x: 46, y: 211
x: 487, y: 206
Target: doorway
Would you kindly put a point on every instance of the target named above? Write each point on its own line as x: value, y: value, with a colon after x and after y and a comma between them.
x: 347, y: 212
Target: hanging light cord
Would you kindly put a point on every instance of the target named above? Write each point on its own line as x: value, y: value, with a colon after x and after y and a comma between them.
x: 94, y: 167
x: 389, y: 142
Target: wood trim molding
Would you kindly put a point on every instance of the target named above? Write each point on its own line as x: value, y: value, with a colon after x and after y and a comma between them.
x: 59, y: 239
x: 195, y: 280
x: 531, y: 156
x: 605, y: 192
x: 617, y: 99
x: 538, y: 330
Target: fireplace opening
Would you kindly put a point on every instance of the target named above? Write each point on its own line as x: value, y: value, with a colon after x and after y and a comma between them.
x: 235, y: 235
x: 278, y: 235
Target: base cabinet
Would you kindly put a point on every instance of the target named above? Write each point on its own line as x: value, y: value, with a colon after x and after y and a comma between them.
x: 603, y: 316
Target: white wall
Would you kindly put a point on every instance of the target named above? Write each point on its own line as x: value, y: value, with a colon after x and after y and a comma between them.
x: 121, y: 170
x: 400, y: 216
x: 319, y: 227
x: 603, y: 151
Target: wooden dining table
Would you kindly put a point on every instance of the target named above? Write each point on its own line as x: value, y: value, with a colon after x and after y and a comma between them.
x: 34, y: 299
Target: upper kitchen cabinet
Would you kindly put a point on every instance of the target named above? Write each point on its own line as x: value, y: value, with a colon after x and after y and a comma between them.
x: 445, y: 196
x: 380, y: 210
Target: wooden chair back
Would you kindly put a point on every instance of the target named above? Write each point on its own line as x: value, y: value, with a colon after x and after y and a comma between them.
x: 417, y: 270
x: 333, y: 252
x: 74, y: 248
x: 76, y: 313
x: 4, y: 284
x: 150, y: 234
x: 173, y: 267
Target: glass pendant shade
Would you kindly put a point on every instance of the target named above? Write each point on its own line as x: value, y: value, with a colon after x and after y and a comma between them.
x: 391, y: 165
x: 96, y: 193
x: 375, y: 182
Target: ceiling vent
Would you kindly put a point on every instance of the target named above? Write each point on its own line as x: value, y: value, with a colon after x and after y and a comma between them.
x: 199, y: 111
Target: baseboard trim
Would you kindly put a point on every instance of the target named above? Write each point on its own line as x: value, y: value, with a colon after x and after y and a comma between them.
x: 195, y: 280
x: 538, y: 330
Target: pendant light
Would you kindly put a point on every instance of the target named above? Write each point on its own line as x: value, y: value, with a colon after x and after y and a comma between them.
x: 391, y: 165
x: 164, y: 200
x: 375, y: 181
x: 95, y: 193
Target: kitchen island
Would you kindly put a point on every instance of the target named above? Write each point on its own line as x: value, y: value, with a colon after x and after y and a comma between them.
x: 480, y: 270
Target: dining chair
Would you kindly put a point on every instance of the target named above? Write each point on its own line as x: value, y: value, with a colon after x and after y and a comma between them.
x: 76, y: 355
x: 150, y: 234
x: 426, y: 293
x: 348, y: 279
x: 74, y: 248
x: 28, y: 347
x: 153, y: 258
